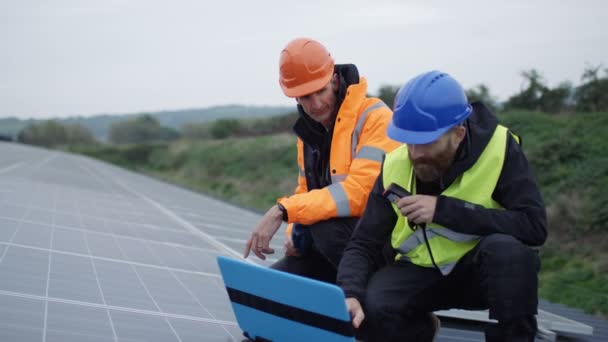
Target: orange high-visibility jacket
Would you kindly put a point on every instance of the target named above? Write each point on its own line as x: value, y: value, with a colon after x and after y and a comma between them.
x: 358, y: 145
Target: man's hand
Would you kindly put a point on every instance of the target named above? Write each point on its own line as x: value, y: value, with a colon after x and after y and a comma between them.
x: 418, y: 208
x: 355, y: 310
x: 290, y: 249
x: 259, y: 242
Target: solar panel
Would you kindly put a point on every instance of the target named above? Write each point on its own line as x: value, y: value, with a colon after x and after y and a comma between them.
x: 92, y: 252
x: 89, y: 251
x: 549, y: 324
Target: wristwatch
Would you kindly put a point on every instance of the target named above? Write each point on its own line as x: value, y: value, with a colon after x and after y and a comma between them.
x: 283, y: 210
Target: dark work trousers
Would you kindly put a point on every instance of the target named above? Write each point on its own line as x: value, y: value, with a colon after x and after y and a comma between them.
x: 329, y: 240
x: 500, y: 273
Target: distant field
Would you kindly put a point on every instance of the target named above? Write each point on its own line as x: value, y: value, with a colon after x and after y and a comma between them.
x: 99, y: 125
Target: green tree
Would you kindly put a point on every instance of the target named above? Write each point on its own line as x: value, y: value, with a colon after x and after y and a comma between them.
x: 529, y: 96
x: 144, y: 128
x: 537, y: 96
x: 224, y: 128
x: 51, y: 133
x: 554, y: 100
x: 250, y: 127
x: 195, y: 131
x: 387, y: 94
x: 592, y: 95
x: 482, y: 93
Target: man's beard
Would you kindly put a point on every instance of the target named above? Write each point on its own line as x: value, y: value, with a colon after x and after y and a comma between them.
x: 431, y: 168
x: 326, y: 118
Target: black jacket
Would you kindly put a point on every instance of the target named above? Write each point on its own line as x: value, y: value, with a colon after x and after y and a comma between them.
x: 317, y: 138
x: 524, y: 216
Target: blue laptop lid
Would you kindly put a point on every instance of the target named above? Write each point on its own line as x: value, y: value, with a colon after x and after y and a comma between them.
x: 276, y: 306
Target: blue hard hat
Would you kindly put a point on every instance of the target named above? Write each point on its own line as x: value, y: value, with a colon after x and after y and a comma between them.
x: 426, y: 107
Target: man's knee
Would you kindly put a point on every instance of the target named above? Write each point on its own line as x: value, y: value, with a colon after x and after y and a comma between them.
x: 501, y: 251
x: 392, y: 305
x: 312, y: 266
x: 336, y: 229
x: 387, y: 322
x: 331, y: 236
x: 379, y: 306
x: 511, y: 270
x: 294, y: 265
x: 374, y: 306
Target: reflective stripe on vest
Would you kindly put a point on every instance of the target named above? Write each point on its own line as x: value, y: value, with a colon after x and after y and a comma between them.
x: 475, y: 185
x: 445, y: 269
x: 417, y: 238
x: 359, y: 125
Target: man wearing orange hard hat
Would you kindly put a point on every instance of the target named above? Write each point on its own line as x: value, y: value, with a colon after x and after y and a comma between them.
x: 341, y: 144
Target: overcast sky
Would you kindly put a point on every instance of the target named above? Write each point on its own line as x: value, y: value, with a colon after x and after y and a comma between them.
x: 82, y: 57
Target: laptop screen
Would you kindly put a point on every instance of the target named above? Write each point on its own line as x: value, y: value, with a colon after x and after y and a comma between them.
x: 270, y: 305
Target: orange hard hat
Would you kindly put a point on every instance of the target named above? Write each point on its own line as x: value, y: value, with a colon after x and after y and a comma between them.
x: 305, y: 67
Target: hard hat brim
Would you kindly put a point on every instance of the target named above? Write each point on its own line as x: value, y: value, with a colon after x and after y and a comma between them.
x: 306, y: 88
x: 414, y: 137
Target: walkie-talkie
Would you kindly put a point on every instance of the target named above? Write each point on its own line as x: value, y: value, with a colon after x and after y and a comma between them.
x: 395, y: 192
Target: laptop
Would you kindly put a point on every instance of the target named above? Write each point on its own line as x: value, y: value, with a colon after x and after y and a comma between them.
x: 271, y: 305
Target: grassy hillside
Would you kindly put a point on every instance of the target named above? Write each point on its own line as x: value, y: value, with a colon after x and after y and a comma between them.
x: 570, y: 158
x: 251, y: 172
x: 567, y: 153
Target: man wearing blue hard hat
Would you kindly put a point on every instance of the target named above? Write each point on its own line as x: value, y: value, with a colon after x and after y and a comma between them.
x: 461, y: 208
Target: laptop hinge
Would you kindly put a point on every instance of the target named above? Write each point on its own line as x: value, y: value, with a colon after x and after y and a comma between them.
x: 257, y: 338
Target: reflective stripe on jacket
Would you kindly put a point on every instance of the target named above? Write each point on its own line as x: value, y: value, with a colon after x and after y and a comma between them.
x: 359, y: 143
x: 475, y: 185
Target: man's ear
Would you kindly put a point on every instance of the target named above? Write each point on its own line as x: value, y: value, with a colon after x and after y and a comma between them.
x: 459, y: 132
x: 335, y: 82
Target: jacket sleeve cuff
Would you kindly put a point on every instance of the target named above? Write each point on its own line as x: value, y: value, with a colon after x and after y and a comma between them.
x: 283, y: 204
x: 352, y: 293
x: 450, y: 211
x: 283, y: 211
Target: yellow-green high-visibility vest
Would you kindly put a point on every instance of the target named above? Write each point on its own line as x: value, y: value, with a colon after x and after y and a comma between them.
x: 475, y: 185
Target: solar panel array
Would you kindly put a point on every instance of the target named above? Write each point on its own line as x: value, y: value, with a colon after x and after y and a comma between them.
x: 92, y: 252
